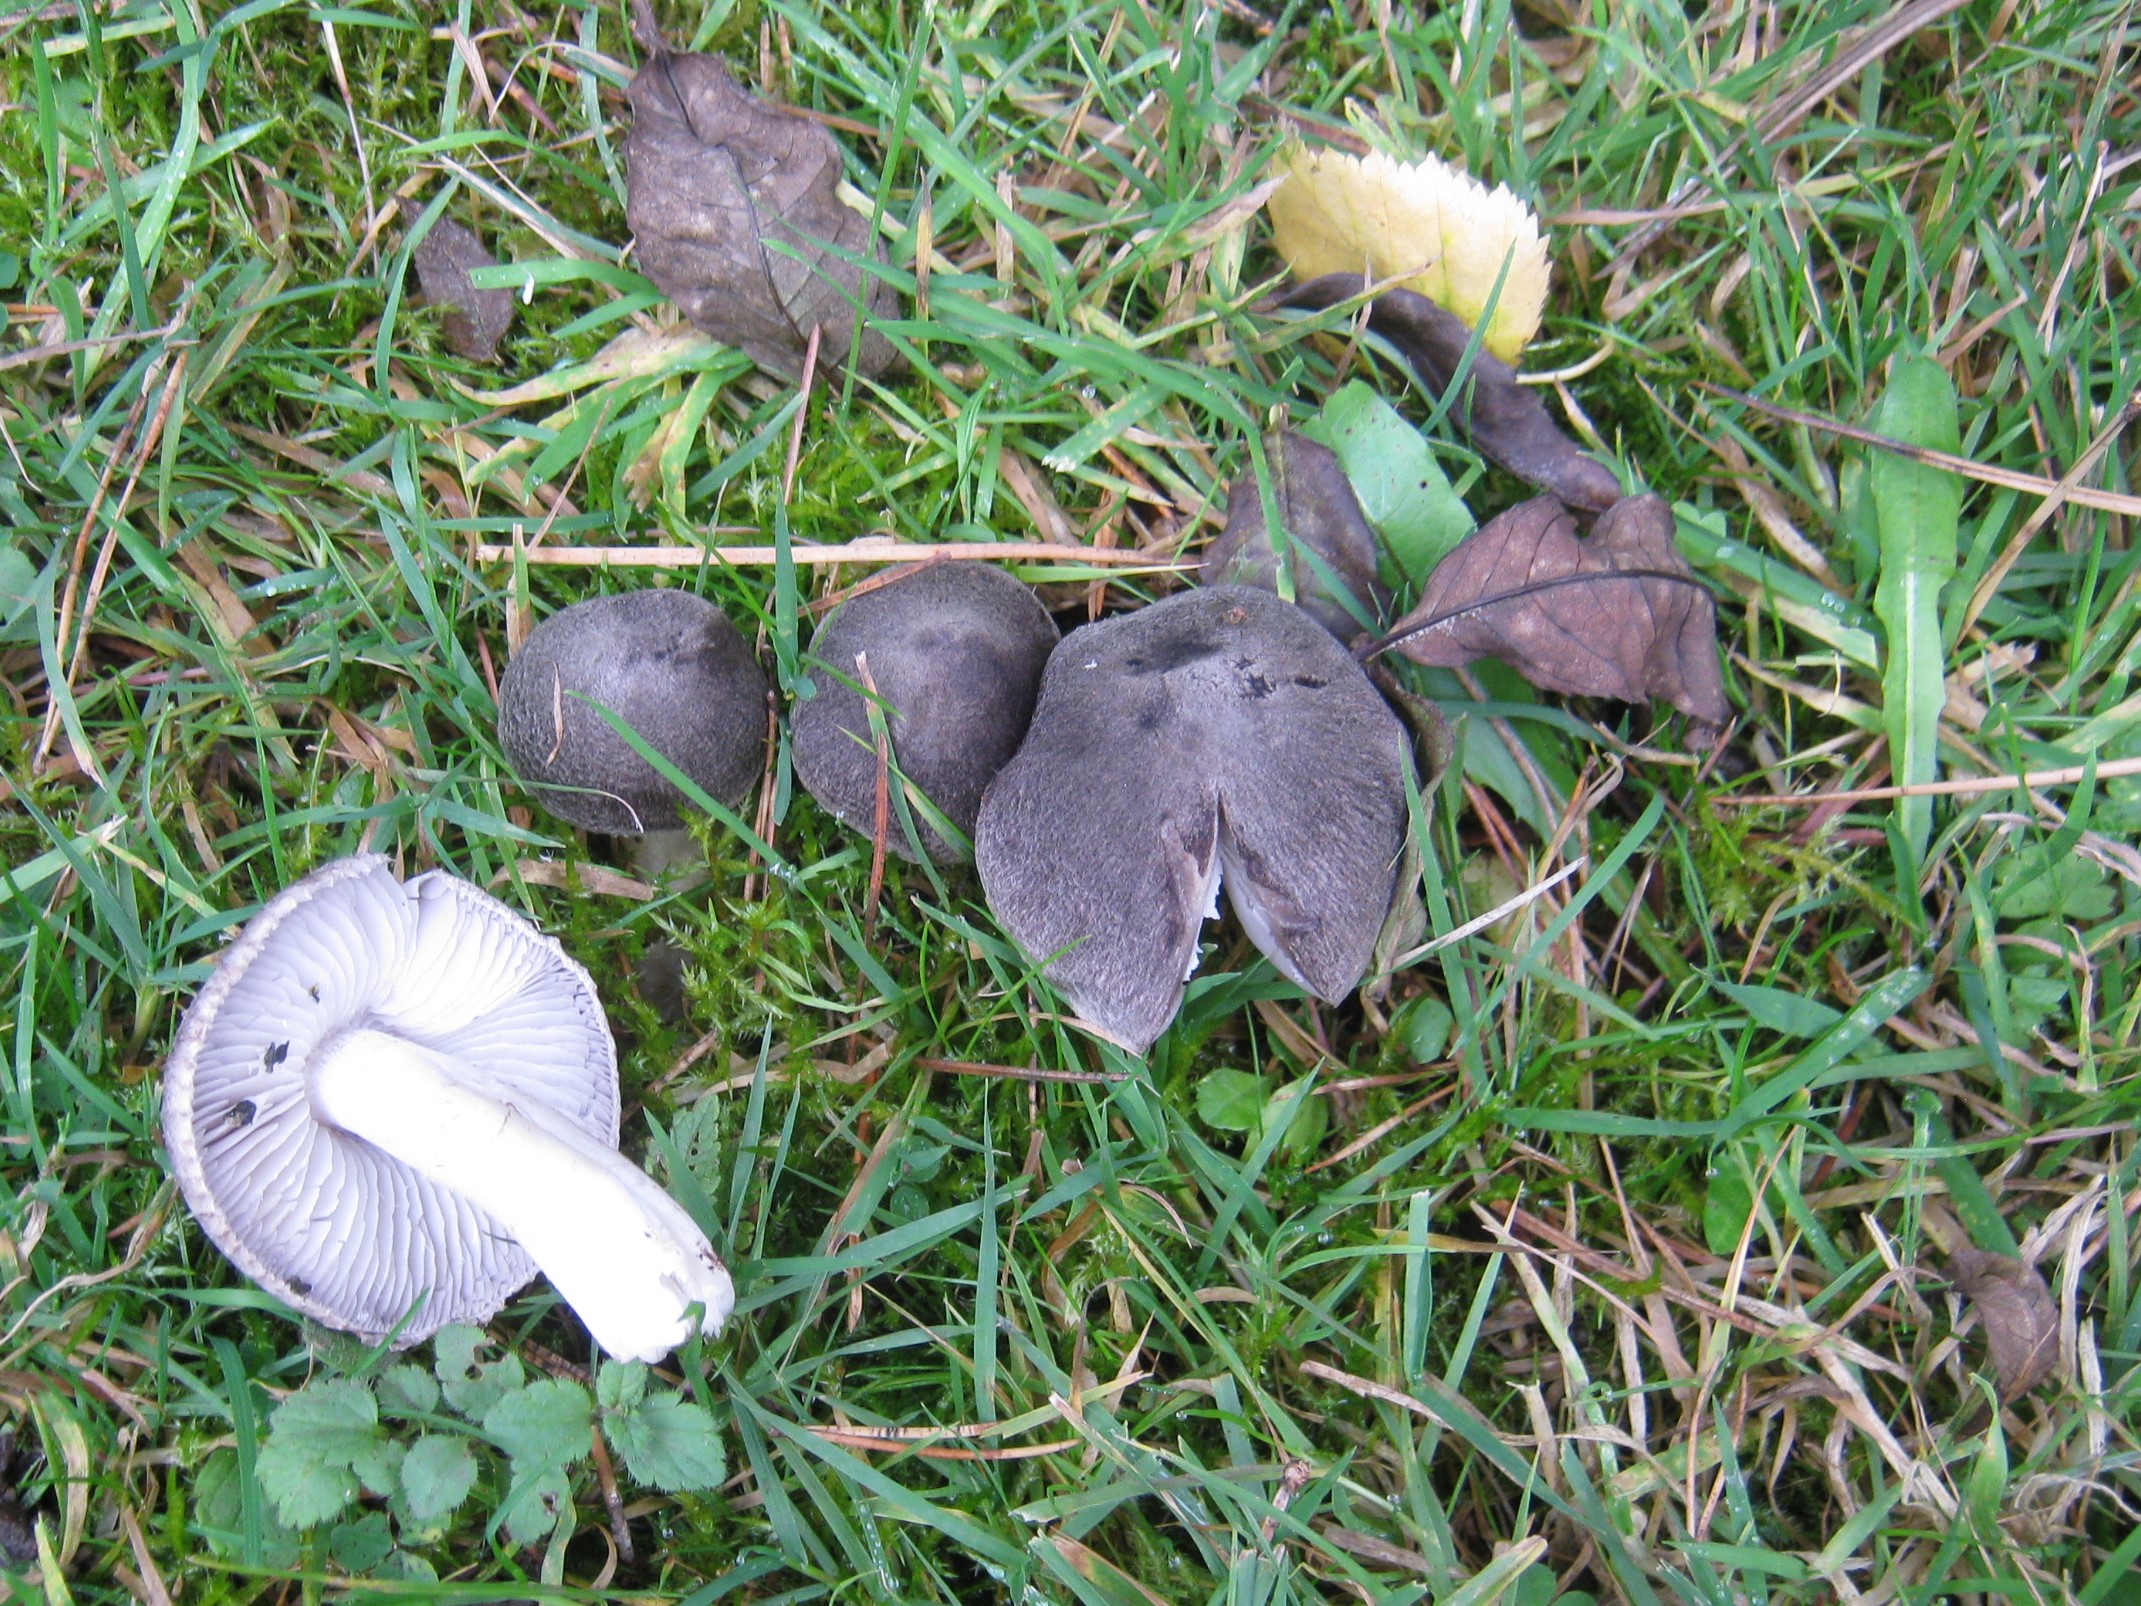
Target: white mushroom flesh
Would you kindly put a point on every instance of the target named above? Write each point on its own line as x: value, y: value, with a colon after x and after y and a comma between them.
x: 618, y: 1249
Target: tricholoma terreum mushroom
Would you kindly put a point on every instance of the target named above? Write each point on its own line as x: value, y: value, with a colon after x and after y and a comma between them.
x: 1219, y: 735
x: 672, y: 667
x: 394, y: 1102
x: 955, y: 651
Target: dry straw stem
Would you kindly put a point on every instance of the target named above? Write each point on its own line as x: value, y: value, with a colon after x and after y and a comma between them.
x: 1986, y: 473
x: 2072, y: 775
x: 868, y: 550
x: 1017, y: 1073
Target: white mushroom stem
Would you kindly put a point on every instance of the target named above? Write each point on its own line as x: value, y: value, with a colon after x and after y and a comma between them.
x: 618, y: 1249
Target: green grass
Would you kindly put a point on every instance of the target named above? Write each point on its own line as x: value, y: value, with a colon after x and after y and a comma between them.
x: 1641, y: 1271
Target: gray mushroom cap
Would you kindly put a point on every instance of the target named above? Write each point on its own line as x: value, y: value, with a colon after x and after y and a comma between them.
x: 327, y: 1222
x: 956, y: 652
x: 669, y: 664
x: 1218, y: 737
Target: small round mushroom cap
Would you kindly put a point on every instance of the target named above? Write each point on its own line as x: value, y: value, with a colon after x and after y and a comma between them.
x: 326, y: 1221
x: 1219, y: 736
x: 673, y: 668
x: 956, y: 652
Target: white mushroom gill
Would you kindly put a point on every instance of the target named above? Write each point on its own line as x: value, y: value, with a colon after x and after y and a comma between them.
x: 395, y: 1102
x: 619, y: 1250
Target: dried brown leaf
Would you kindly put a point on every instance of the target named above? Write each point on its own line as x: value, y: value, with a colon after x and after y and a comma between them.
x: 1330, y: 550
x: 1505, y: 421
x: 1616, y: 615
x: 476, y: 320
x: 736, y: 215
x: 2020, y: 1318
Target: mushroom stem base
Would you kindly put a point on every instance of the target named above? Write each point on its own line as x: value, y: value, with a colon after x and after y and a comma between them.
x: 619, y: 1250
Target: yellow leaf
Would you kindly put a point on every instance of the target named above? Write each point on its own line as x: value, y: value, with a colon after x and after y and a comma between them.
x: 1438, y: 231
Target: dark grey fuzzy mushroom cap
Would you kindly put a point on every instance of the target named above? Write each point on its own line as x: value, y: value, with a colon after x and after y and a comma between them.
x: 1220, y: 735
x: 328, y: 1223
x: 673, y: 668
x: 956, y: 652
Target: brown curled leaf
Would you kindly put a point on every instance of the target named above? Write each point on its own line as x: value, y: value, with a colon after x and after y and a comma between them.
x: 1506, y: 422
x: 2020, y: 1318
x: 1331, y: 550
x: 1619, y: 614
x: 476, y: 320
x: 736, y: 216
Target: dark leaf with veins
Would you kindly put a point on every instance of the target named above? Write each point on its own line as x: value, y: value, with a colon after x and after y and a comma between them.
x: 2018, y: 1313
x: 1616, y: 615
x: 736, y: 215
x: 1505, y: 421
x: 476, y: 320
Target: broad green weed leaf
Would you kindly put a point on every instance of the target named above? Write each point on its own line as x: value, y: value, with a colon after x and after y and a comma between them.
x: 535, y: 1506
x: 471, y: 1386
x: 622, y: 1385
x: 337, y: 1419
x: 1726, y: 1205
x: 436, y: 1475
x: 550, y: 1423
x: 1231, y: 1101
x: 1401, y: 488
x: 668, y: 1443
x: 218, y: 1515
x: 408, y: 1567
x: 357, y: 1547
x: 408, y: 1388
x: 18, y: 593
x: 1425, y: 1027
x: 1306, y: 1117
x: 306, y: 1491
x: 379, y: 1468
x: 1985, y: 1491
x: 1917, y: 513
x: 315, y: 1442
x: 2027, y: 887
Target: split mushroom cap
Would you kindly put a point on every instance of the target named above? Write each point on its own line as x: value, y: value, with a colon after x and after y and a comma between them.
x: 393, y: 1095
x: 671, y: 666
x: 1221, y: 736
x: 955, y: 651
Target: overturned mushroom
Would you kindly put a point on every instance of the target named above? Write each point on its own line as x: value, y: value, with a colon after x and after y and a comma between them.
x: 394, y: 1102
x: 667, y: 663
x: 1219, y: 737
x: 955, y: 653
